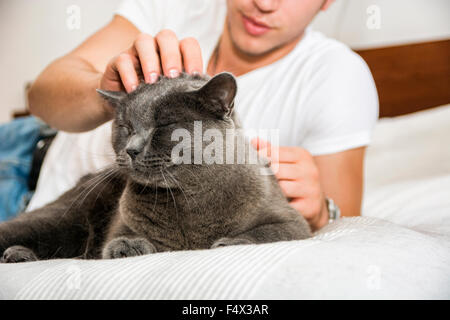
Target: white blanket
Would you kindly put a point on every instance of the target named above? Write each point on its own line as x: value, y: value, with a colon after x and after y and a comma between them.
x: 400, y: 248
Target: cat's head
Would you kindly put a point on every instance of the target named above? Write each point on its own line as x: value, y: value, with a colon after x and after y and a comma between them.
x: 145, y: 121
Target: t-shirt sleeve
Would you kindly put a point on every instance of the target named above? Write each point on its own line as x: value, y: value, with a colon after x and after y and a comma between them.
x: 146, y: 15
x: 342, y: 104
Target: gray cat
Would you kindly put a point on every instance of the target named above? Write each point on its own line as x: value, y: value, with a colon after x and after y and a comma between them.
x: 148, y: 203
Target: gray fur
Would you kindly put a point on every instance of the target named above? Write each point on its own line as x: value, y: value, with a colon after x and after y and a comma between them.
x: 146, y: 203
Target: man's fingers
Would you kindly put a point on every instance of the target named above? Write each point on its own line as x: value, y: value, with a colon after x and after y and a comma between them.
x: 292, y: 155
x: 146, y: 49
x: 278, y: 154
x: 169, y: 51
x: 192, y: 55
x: 149, y: 57
x: 285, y: 154
x: 286, y: 171
x: 303, y: 206
x: 111, y: 78
x: 125, y: 64
x: 265, y: 149
x: 259, y: 143
x: 293, y: 189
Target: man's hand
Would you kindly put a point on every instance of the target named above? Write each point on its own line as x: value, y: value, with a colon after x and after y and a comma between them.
x: 299, y: 178
x: 117, y: 57
x: 148, y: 58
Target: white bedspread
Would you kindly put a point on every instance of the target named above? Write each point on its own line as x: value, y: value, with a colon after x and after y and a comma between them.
x: 400, y: 248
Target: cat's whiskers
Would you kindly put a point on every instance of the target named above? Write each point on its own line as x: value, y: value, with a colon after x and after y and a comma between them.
x: 170, y: 190
x: 176, y: 209
x: 156, y: 199
x: 175, y: 180
x: 147, y: 182
x: 107, y: 180
x: 111, y: 173
x: 199, y: 183
x: 94, y: 183
x: 89, y: 182
x: 55, y: 253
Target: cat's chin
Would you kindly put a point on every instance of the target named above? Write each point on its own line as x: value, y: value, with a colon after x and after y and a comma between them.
x: 155, y: 180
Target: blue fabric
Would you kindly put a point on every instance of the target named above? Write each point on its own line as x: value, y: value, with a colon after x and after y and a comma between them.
x: 18, y: 140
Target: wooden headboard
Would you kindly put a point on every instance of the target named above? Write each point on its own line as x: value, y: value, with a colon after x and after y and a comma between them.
x: 410, y: 78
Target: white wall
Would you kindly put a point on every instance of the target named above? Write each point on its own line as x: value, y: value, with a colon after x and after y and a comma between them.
x: 34, y: 32
x: 401, y: 22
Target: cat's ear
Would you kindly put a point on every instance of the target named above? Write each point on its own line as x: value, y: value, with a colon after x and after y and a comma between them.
x: 219, y: 93
x: 113, y: 97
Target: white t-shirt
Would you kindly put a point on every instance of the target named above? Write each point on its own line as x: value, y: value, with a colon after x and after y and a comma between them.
x: 321, y: 96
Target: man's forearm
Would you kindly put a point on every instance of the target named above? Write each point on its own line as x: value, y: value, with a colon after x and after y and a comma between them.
x: 64, y: 96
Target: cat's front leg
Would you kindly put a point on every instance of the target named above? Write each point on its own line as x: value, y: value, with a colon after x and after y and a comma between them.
x: 223, y: 242
x: 123, y: 247
x: 18, y: 254
x: 296, y: 229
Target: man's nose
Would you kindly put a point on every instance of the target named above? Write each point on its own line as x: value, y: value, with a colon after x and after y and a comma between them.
x: 267, y: 5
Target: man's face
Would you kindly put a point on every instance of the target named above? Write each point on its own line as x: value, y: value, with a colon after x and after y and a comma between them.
x: 257, y: 27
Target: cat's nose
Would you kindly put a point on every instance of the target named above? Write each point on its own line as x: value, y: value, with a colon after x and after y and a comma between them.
x: 135, y: 146
x: 132, y: 152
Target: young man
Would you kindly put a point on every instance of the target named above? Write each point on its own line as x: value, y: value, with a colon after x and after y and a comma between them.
x: 316, y: 91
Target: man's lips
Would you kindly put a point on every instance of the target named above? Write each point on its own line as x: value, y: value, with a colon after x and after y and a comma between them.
x: 253, y: 27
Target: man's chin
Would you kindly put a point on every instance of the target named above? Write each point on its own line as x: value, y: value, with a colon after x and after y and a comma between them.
x: 250, y: 50
x: 254, y: 48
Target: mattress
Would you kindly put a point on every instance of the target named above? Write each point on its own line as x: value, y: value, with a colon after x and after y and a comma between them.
x: 398, y: 249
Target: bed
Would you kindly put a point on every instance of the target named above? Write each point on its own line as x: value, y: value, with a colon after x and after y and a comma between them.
x: 398, y: 249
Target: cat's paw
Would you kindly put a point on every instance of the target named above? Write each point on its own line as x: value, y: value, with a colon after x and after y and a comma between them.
x: 123, y: 247
x: 18, y: 254
x: 223, y: 242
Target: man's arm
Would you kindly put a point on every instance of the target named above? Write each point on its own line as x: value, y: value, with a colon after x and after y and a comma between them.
x: 64, y: 93
x: 114, y: 58
x: 341, y: 178
x: 307, y: 180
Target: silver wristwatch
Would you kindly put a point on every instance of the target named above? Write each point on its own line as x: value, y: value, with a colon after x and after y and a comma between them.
x: 333, y: 210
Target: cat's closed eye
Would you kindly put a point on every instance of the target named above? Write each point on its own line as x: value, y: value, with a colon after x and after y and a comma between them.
x: 124, y: 129
x: 165, y: 124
